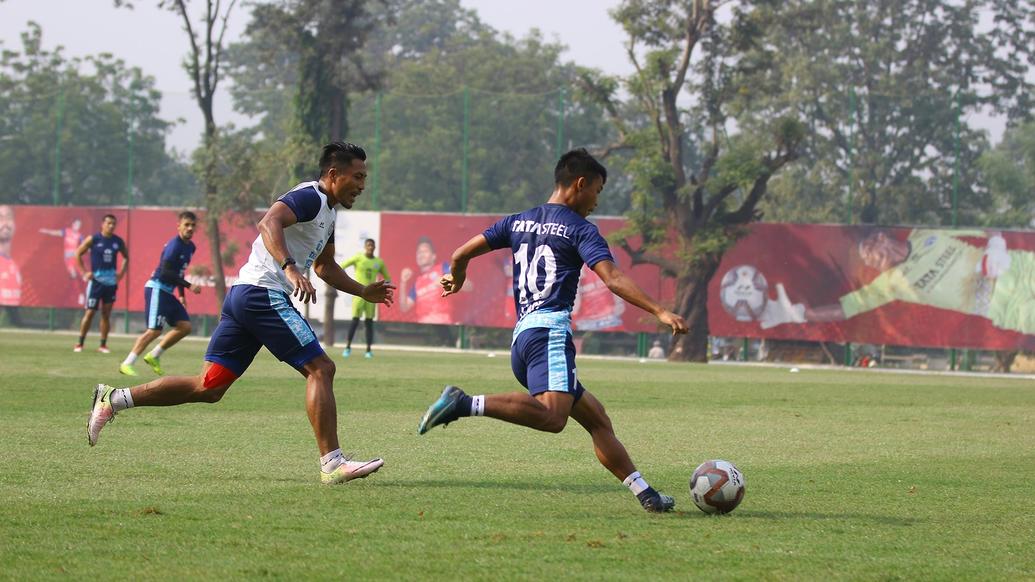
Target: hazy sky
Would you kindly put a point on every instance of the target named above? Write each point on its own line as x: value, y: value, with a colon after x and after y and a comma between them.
x: 153, y: 40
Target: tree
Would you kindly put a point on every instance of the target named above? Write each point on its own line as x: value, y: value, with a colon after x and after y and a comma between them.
x: 325, y: 41
x: 70, y: 129
x: 696, y: 186
x: 1009, y: 171
x: 430, y: 52
x: 887, y: 88
x: 204, y: 66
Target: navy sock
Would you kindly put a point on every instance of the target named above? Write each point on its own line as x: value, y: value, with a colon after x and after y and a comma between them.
x: 82, y: 338
x: 463, y: 406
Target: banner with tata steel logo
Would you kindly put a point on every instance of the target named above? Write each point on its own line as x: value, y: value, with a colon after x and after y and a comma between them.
x: 899, y: 286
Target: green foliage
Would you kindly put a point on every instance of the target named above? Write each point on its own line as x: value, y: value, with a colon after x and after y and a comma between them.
x: 72, y: 120
x: 430, y: 54
x: 1009, y: 170
x: 887, y: 89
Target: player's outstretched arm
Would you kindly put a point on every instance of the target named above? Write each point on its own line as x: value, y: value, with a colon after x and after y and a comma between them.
x: 623, y: 286
x: 331, y: 272
x: 453, y: 281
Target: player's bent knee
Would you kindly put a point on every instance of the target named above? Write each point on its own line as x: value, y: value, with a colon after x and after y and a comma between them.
x: 555, y: 424
x: 325, y: 367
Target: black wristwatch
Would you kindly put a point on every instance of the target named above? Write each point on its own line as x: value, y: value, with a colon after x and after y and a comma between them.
x: 287, y: 261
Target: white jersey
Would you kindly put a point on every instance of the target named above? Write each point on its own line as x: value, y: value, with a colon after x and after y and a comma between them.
x: 305, y: 239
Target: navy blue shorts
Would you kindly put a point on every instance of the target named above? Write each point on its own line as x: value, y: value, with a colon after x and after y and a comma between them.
x: 543, y: 360
x: 254, y: 317
x: 99, y: 293
x: 162, y: 308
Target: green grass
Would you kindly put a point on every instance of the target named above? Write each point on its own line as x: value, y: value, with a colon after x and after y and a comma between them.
x: 849, y: 476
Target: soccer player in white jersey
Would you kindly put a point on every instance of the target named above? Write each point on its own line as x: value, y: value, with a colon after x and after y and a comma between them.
x: 296, y: 233
x: 549, y: 244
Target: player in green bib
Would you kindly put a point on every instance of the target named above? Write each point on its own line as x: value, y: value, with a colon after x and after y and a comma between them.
x: 368, y: 267
x: 940, y: 269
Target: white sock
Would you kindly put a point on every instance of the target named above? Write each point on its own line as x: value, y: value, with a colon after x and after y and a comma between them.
x: 478, y: 405
x: 157, y: 352
x: 121, y: 399
x: 130, y: 359
x: 635, y: 483
x: 330, y: 461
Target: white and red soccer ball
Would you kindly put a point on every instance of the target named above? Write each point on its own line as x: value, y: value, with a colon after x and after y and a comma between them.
x: 717, y: 486
x: 743, y: 292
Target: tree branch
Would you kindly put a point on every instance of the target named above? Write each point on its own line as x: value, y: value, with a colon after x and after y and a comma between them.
x: 640, y: 256
x: 195, y: 67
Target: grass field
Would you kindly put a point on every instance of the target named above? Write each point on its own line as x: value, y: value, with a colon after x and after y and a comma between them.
x: 849, y: 476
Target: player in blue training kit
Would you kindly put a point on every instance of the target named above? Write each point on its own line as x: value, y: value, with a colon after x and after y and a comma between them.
x: 295, y: 234
x: 161, y: 307
x: 102, y: 280
x: 550, y: 243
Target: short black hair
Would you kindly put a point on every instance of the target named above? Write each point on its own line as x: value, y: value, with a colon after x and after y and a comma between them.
x: 577, y: 163
x: 187, y: 214
x: 107, y: 216
x: 369, y: 240
x: 339, y: 155
x: 426, y: 241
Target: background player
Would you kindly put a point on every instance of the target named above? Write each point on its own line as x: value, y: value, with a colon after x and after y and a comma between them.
x: 102, y: 280
x: 550, y: 243
x: 160, y: 305
x: 258, y: 312
x: 368, y: 267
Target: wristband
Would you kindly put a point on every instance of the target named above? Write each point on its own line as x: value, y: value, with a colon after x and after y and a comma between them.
x: 287, y: 261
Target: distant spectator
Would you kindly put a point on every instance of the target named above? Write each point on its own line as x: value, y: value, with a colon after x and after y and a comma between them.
x: 656, y: 352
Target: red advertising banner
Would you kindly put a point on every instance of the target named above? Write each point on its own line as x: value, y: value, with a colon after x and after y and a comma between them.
x: 38, y: 267
x: 417, y: 248
x: 899, y: 286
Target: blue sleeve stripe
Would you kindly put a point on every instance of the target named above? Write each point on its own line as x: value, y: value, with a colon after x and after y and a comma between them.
x: 304, y: 202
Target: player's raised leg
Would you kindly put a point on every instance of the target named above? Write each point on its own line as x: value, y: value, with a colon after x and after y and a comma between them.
x: 209, y: 386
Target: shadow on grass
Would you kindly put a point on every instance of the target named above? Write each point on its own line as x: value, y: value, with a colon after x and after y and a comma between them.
x: 812, y: 515
x: 515, y: 485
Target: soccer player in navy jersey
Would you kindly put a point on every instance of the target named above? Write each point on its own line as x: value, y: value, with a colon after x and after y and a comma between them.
x: 550, y: 243
x: 160, y: 304
x: 296, y: 233
x: 102, y: 278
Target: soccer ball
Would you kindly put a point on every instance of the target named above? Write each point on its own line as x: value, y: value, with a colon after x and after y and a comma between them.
x: 717, y: 486
x: 743, y: 292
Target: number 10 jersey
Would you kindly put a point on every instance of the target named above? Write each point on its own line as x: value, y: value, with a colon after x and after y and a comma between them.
x: 550, y: 243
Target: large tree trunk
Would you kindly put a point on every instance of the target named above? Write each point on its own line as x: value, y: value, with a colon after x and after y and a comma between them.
x: 338, y: 124
x: 215, y: 241
x: 692, y: 304
x: 1004, y: 361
